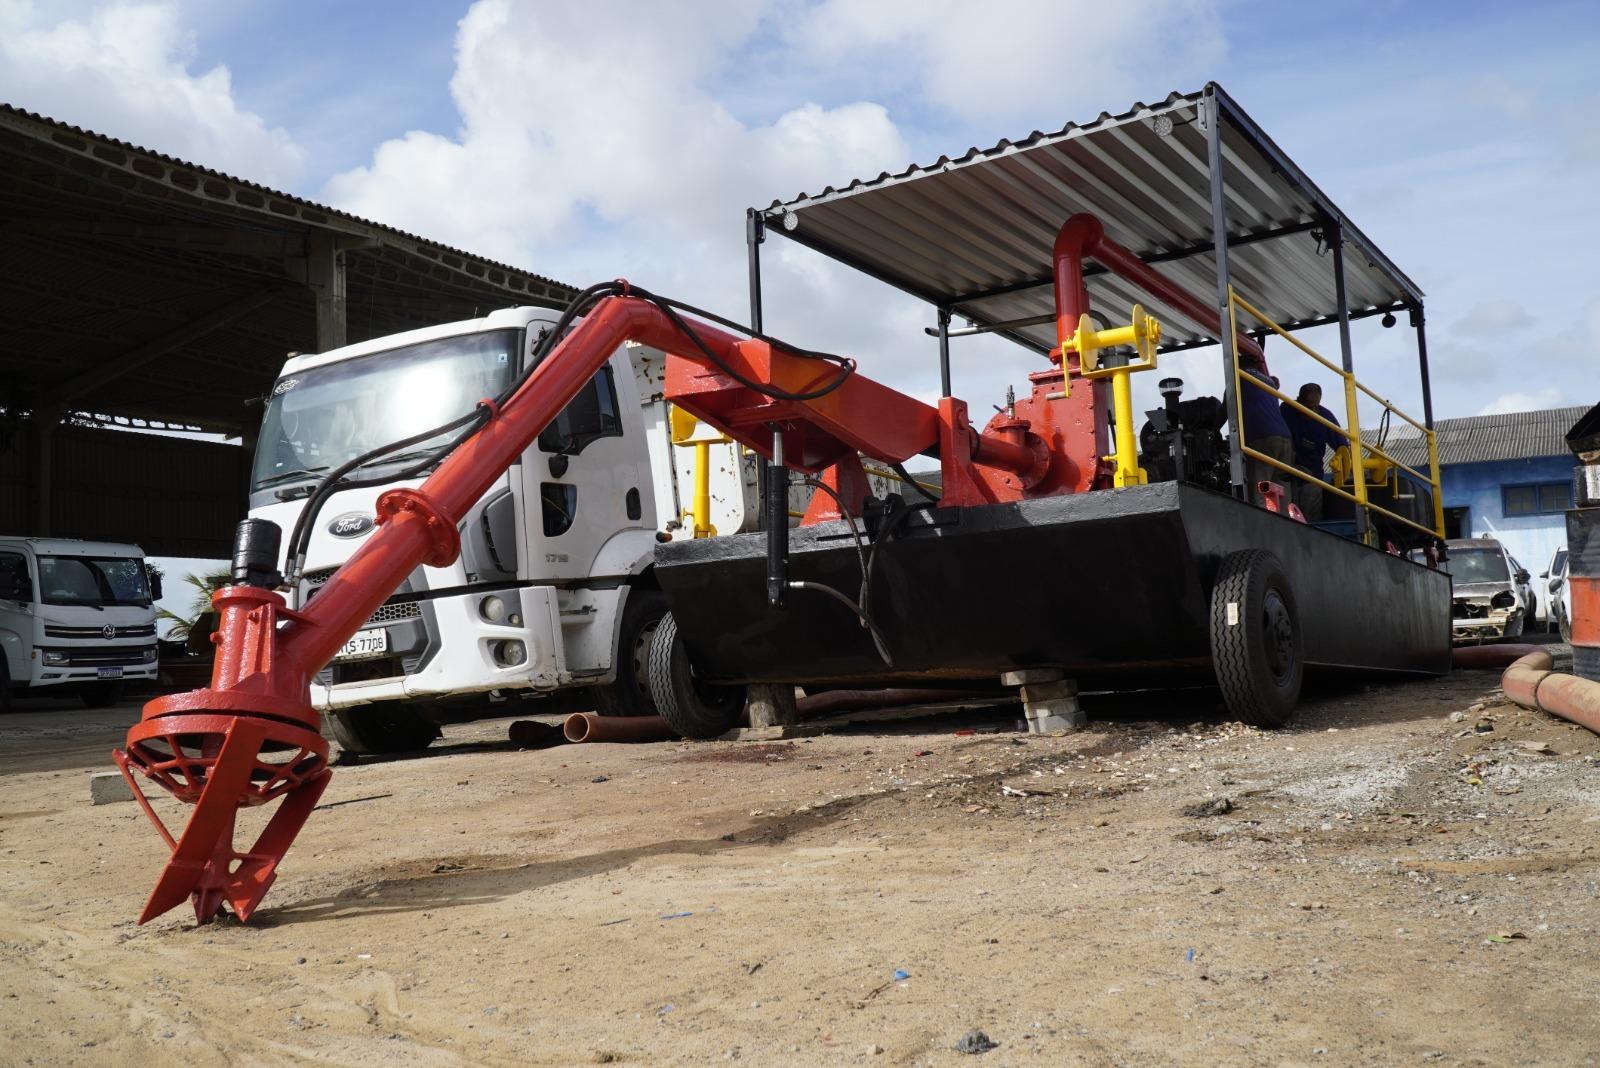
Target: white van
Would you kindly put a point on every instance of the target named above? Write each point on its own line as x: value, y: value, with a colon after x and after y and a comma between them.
x: 76, y: 618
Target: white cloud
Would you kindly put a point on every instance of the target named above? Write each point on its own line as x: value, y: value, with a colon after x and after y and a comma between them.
x: 603, y: 141
x: 1524, y: 401
x: 1493, y: 317
x: 123, y: 70
x: 1006, y: 59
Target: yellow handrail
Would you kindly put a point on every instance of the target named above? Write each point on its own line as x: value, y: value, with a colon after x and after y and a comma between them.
x: 1351, y: 434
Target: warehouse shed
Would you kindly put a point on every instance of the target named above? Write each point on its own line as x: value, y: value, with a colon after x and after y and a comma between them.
x: 141, y: 295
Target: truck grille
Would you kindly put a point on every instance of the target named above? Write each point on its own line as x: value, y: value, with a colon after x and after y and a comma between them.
x: 388, y: 612
x: 104, y: 655
x: 138, y: 630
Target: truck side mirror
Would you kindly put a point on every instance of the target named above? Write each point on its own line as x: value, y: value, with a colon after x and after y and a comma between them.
x: 155, y: 587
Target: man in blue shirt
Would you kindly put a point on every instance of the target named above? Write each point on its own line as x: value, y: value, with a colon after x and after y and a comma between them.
x: 1312, y: 440
x: 1265, y: 432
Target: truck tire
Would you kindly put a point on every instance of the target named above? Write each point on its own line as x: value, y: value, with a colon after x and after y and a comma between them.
x: 629, y: 695
x: 1257, y: 647
x: 691, y: 708
x: 381, y: 728
x: 100, y: 694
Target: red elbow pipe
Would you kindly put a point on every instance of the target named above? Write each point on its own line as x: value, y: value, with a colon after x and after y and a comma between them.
x: 1083, y: 235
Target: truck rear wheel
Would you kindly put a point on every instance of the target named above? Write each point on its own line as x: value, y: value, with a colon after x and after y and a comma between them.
x: 629, y: 695
x: 1256, y: 642
x: 692, y: 708
x: 381, y: 728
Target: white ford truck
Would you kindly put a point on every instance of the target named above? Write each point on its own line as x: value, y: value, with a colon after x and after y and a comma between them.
x: 77, y: 618
x: 552, y: 593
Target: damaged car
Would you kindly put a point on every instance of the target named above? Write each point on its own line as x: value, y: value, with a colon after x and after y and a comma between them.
x: 1492, y: 599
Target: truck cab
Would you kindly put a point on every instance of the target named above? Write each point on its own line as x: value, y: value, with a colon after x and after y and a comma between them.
x: 552, y: 593
x: 77, y: 618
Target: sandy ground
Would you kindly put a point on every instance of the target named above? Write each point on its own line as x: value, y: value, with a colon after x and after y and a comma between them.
x: 1410, y: 876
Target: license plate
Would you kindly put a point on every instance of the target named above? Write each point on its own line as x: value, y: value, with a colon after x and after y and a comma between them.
x: 109, y: 672
x: 365, y: 644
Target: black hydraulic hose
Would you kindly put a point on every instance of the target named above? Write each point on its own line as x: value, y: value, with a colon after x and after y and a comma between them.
x: 859, y: 606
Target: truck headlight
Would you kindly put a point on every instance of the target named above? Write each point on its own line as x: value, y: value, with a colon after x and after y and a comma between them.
x: 492, y: 609
x: 149, y: 655
x: 55, y: 658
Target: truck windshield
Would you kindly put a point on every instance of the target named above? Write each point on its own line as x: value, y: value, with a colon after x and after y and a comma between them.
x: 1478, y: 565
x: 320, y: 418
x: 93, y: 580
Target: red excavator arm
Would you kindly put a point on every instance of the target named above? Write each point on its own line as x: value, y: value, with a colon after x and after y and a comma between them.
x: 251, y: 737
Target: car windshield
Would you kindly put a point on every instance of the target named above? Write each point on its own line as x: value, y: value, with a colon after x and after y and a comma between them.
x: 93, y: 580
x: 320, y: 418
x: 1478, y: 565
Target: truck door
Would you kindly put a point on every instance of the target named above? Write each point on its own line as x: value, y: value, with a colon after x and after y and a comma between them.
x: 587, y: 477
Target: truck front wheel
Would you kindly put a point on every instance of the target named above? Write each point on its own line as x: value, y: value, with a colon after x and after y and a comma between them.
x: 692, y: 708
x: 629, y: 695
x: 381, y: 728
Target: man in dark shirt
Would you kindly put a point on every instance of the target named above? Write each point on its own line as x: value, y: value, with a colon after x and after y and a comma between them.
x: 1265, y: 432
x: 1312, y: 441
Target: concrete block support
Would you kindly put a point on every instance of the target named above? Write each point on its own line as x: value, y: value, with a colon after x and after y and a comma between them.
x: 1049, y: 700
x: 771, y: 706
x: 108, y: 787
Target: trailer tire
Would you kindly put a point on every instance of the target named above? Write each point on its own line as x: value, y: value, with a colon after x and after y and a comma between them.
x: 1257, y: 648
x: 630, y: 694
x: 691, y: 708
x: 382, y: 728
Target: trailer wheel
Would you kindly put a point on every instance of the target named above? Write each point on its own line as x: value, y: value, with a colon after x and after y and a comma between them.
x: 629, y: 695
x: 381, y: 728
x: 691, y: 708
x: 1256, y: 643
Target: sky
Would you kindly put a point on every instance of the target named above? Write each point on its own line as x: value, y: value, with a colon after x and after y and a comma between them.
x: 613, y: 138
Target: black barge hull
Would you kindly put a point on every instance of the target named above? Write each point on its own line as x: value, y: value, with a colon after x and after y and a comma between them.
x: 1112, y: 586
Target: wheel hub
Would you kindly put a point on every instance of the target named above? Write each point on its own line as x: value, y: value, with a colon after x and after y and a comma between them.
x: 1279, y: 633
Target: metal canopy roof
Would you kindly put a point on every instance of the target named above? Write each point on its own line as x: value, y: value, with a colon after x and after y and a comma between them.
x: 974, y: 234
x: 142, y: 287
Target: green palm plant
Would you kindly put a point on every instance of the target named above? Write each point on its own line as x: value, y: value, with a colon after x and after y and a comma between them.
x: 199, y: 605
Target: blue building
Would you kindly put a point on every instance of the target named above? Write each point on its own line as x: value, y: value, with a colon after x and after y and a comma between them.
x: 1507, y: 477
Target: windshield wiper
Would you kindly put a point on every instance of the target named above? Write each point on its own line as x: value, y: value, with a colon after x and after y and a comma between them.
x: 284, y: 476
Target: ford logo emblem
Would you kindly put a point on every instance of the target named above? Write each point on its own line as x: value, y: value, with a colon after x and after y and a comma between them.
x: 108, y: 632
x: 350, y: 525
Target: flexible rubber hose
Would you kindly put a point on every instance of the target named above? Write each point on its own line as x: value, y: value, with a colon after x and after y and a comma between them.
x: 1530, y: 683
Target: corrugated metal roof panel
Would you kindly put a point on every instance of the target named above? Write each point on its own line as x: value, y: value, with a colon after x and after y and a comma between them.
x: 1480, y: 439
x: 975, y: 233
